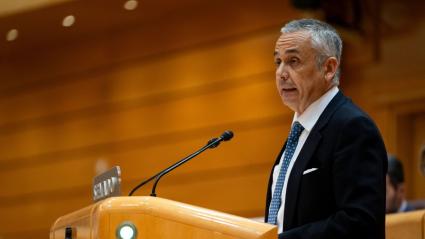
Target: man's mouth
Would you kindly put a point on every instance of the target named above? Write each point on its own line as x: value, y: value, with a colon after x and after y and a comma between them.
x: 289, y: 89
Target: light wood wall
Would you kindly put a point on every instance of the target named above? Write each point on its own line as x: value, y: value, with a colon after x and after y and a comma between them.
x: 143, y: 97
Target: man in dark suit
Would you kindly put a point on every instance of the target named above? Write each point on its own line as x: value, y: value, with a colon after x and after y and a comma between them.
x: 329, y: 179
x: 396, y: 191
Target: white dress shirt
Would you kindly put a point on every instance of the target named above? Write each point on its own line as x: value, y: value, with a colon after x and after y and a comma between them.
x: 307, y: 119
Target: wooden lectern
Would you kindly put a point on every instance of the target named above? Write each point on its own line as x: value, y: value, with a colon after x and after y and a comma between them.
x: 151, y: 217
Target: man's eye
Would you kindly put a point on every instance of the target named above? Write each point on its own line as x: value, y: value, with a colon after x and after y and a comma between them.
x: 293, y: 60
x: 277, y: 62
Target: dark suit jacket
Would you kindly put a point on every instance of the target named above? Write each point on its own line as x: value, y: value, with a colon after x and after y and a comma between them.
x: 345, y: 197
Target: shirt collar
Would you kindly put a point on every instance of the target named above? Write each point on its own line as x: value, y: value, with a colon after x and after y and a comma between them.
x: 403, y: 206
x: 310, y: 116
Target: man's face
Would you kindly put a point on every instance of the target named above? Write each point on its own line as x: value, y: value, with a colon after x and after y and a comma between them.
x: 395, y: 196
x: 390, y: 204
x: 298, y: 78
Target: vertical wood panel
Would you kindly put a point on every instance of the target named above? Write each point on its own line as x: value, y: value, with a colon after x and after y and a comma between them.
x: 418, y: 146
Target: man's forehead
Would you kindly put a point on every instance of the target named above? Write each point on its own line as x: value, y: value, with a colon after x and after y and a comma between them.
x: 291, y: 42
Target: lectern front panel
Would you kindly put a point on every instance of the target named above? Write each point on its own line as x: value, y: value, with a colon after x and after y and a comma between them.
x: 150, y: 217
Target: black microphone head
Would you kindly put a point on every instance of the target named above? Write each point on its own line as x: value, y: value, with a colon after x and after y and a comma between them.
x: 227, y: 135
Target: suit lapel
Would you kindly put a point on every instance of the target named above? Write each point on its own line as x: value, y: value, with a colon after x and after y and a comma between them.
x: 304, y: 157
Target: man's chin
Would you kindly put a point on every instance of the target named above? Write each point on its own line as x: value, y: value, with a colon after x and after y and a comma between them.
x: 290, y: 104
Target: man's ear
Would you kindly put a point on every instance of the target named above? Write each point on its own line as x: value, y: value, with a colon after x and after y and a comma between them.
x: 330, y: 66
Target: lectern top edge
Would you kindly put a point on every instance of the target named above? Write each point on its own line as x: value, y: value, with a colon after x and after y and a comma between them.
x: 155, y: 213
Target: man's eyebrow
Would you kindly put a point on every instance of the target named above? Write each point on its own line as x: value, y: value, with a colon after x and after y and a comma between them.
x: 287, y: 51
x: 291, y: 50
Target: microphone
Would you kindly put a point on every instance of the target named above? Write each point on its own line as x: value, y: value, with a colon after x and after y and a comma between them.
x: 227, y: 135
x: 212, y: 143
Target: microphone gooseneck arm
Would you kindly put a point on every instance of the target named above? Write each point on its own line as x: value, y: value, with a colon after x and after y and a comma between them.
x: 143, y: 183
x: 172, y: 167
x: 227, y: 135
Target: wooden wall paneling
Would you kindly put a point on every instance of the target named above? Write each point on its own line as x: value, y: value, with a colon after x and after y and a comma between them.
x: 385, y: 119
x: 195, y: 112
x: 252, y: 145
x: 200, y: 177
x: 71, y: 117
x: 37, y: 68
x: 140, y: 96
x: 36, y: 180
x: 253, y: 94
x: 418, y: 135
x: 37, y: 233
x: 138, y: 40
x: 392, y: 91
x: 136, y: 79
x: 34, y: 189
x: 398, y: 77
x: 52, y: 102
x: 411, y: 88
x: 37, y: 216
x: 405, y: 149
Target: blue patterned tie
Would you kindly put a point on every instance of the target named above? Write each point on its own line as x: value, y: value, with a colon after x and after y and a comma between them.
x: 291, y: 145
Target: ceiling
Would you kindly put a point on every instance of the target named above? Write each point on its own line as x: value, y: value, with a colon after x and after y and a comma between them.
x: 17, y: 6
x: 40, y: 22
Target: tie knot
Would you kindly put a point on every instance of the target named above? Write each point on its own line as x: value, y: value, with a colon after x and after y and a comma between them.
x: 296, y: 130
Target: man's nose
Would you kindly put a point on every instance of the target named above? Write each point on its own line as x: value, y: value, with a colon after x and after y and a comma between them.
x: 281, y: 72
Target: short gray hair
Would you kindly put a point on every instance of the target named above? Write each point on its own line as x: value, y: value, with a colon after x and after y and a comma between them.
x: 325, y: 40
